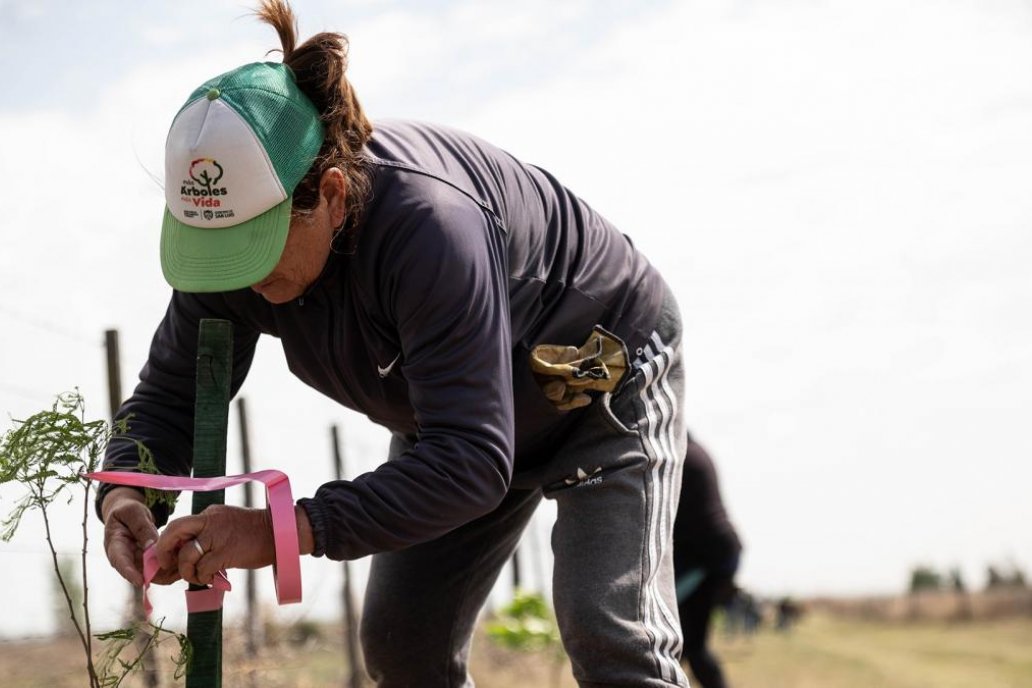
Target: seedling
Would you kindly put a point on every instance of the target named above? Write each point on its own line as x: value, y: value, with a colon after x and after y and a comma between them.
x: 48, y: 455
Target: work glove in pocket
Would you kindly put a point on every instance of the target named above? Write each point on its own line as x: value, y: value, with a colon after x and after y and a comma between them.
x: 567, y: 373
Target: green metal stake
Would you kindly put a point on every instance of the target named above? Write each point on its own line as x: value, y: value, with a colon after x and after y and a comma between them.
x: 211, y: 418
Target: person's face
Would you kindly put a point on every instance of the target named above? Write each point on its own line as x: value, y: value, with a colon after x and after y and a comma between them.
x: 308, y: 244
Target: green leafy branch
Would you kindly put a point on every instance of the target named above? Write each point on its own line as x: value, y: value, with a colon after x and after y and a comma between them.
x: 49, y: 454
x: 526, y: 625
x: 118, y: 640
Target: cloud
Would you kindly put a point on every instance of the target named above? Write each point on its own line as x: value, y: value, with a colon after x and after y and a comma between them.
x: 837, y: 191
x: 836, y: 194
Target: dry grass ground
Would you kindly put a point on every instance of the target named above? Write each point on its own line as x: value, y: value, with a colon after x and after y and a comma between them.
x: 833, y: 652
x: 824, y: 651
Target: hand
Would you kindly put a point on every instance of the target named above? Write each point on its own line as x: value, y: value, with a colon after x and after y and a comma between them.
x: 225, y: 536
x: 128, y: 530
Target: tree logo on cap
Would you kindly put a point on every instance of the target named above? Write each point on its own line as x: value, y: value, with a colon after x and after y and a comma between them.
x: 200, y: 189
x: 206, y: 172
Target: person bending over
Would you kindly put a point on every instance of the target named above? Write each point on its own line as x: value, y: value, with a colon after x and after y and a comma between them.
x: 513, y: 341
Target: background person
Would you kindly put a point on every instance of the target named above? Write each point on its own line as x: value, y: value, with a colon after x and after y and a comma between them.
x: 706, y: 555
x: 514, y: 342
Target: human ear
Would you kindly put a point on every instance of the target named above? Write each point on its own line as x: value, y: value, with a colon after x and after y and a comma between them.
x: 333, y: 190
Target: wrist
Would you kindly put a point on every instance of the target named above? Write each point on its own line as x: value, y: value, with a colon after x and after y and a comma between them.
x: 305, y: 536
x: 117, y: 495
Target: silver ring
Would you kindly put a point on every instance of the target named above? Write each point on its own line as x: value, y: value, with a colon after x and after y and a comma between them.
x: 197, y: 546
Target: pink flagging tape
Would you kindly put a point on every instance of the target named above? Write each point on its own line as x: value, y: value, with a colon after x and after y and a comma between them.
x: 286, y: 570
x: 207, y: 600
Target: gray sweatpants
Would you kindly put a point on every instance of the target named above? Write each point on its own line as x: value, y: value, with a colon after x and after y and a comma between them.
x: 613, y: 588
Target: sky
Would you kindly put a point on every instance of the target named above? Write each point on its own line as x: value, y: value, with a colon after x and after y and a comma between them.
x: 837, y: 191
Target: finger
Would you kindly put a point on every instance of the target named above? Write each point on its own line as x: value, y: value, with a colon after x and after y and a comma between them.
x: 137, y: 519
x: 189, y: 555
x: 166, y: 576
x: 185, y: 528
x: 207, y: 566
x: 127, y: 529
x: 141, y: 524
x: 175, y: 535
x: 121, y: 553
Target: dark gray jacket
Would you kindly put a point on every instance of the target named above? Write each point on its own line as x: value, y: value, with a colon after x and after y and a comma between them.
x: 465, y: 259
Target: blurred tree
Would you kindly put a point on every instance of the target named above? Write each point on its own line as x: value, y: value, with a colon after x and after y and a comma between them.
x: 1006, y: 576
x: 923, y: 578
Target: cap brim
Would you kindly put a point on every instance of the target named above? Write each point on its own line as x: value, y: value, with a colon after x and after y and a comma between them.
x: 197, y: 259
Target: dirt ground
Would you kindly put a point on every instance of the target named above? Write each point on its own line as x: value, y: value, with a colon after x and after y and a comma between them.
x: 315, y: 661
x: 823, y: 651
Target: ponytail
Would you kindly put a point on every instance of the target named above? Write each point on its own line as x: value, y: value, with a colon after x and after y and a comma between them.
x: 319, y: 66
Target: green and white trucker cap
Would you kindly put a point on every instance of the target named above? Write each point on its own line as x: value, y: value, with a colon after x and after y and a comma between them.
x: 234, y: 154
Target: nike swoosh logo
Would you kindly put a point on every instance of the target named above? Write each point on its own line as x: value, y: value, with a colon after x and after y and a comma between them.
x: 384, y: 372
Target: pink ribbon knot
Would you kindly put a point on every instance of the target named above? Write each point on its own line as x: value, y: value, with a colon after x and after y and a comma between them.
x: 286, y: 569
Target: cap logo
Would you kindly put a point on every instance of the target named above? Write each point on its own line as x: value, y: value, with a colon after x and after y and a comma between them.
x: 206, y: 172
x: 234, y: 153
x: 201, y: 189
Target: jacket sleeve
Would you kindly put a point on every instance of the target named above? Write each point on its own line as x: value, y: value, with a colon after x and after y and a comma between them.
x: 160, y: 412
x: 443, y: 282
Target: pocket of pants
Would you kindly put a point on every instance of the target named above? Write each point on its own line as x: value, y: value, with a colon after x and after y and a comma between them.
x: 604, y: 406
x: 570, y: 377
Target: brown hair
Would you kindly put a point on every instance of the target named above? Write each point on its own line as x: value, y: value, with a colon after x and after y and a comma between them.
x: 319, y: 65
